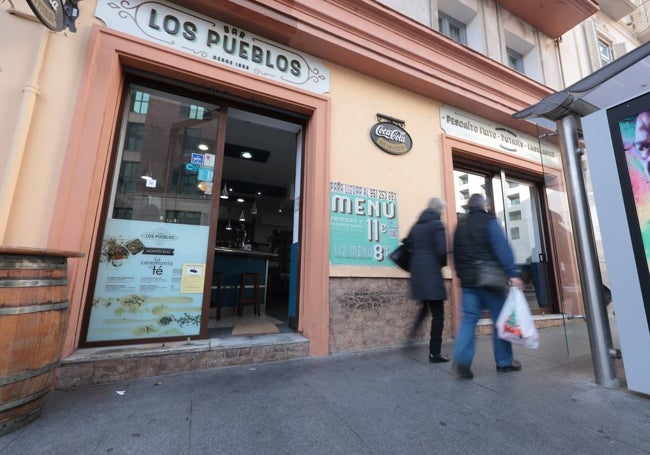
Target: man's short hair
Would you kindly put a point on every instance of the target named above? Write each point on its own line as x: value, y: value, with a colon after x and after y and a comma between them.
x: 476, y: 201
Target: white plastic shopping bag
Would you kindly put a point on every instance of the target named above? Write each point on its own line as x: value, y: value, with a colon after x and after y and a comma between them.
x: 515, y: 323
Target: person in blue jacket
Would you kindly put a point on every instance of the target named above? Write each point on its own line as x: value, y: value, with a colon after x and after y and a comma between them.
x: 428, y: 242
x: 478, y: 237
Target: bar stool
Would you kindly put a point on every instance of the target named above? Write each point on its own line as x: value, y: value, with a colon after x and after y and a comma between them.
x: 216, y: 287
x: 254, y: 279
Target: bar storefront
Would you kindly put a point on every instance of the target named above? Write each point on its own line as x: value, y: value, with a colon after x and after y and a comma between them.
x: 225, y: 168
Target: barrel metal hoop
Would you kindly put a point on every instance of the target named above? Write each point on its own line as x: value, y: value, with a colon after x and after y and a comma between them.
x: 26, y: 399
x: 32, y: 283
x: 34, y: 308
x: 29, y: 374
x: 32, y: 263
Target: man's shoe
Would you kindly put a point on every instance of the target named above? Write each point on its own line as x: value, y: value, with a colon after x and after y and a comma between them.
x: 516, y: 366
x: 463, y: 372
x: 437, y: 359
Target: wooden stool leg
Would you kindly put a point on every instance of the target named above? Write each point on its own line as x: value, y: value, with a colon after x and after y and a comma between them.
x: 255, y: 300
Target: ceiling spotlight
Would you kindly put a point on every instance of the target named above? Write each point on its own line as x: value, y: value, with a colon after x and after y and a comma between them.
x: 203, y: 147
x: 246, y: 155
x: 240, y: 199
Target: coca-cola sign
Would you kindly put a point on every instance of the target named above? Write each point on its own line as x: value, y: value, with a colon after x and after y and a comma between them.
x: 391, y: 138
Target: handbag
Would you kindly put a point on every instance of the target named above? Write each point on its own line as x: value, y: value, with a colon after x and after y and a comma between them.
x: 402, y: 255
x: 515, y: 323
x: 492, y: 277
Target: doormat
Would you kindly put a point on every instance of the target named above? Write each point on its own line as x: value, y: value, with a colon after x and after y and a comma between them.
x: 254, y: 328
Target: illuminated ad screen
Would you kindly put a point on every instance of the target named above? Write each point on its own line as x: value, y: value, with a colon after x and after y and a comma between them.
x: 629, y: 125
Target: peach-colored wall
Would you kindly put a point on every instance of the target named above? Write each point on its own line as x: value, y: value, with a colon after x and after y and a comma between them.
x: 416, y: 175
x: 35, y: 166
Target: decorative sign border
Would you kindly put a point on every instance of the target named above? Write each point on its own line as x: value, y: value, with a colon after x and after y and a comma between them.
x: 170, y: 25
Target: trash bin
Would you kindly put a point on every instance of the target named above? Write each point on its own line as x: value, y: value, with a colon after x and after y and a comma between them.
x: 33, y: 322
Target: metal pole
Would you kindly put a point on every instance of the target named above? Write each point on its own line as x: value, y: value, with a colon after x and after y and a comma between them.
x: 600, y: 336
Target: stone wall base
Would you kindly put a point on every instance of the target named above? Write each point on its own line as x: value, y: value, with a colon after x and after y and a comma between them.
x: 106, y: 365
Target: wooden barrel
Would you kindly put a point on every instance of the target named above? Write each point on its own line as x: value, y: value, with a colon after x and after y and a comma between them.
x: 33, y: 322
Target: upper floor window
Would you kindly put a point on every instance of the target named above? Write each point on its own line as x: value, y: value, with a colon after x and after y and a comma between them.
x: 454, y: 29
x: 604, y: 52
x: 515, y: 60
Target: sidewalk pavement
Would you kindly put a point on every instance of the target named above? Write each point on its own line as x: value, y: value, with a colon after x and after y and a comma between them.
x: 389, y: 401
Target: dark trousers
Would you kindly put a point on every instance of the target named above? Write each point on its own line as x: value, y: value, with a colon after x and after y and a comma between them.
x: 437, y: 309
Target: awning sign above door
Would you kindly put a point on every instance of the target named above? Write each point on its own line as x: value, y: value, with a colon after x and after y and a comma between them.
x: 170, y: 25
x: 466, y: 126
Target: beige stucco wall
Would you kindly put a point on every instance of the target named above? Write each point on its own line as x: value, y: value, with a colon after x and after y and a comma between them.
x: 33, y: 141
x: 415, y: 176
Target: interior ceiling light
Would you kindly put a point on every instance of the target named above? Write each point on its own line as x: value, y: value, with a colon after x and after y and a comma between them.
x: 241, y: 216
x: 240, y: 199
x: 203, y: 147
x: 228, y: 226
x: 224, y: 192
x: 254, y: 208
x: 246, y: 155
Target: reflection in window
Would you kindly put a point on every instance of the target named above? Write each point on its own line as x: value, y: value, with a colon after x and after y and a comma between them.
x: 514, y: 233
x: 194, y: 111
x: 153, y: 177
x: 514, y: 199
x: 183, y: 216
x: 140, y: 102
x: 134, y: 135
x: 129, y: 177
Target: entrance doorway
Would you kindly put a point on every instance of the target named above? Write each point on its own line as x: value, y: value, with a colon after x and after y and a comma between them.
x: 201, y: 226
x: 517, y: 203
x: 259, y: 212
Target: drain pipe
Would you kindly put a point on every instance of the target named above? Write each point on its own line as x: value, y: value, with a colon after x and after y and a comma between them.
x: 600, y: 337
x: 14, y: 162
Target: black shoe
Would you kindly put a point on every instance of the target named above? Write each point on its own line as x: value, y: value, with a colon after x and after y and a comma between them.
x: 437, y: 359
x: 463, y: 372
x: 516, y: 366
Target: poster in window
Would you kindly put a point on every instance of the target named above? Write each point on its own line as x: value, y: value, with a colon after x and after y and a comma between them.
x: 141, y: 291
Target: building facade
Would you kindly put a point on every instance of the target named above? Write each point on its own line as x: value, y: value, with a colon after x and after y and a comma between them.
x: 205, y: 156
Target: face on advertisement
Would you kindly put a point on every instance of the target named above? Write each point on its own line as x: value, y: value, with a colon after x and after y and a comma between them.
x: 642, y: 138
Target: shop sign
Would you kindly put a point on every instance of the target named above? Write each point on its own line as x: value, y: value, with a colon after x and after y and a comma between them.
x: 363, y: 225
x: 391, y: 138
x: 49, y: 12
x: 172, y: 26
x: 56, y: 14
x: 480, y: 131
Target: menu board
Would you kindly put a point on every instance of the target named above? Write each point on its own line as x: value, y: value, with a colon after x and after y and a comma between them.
x: 149, y: 281
x: 363, y: 225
